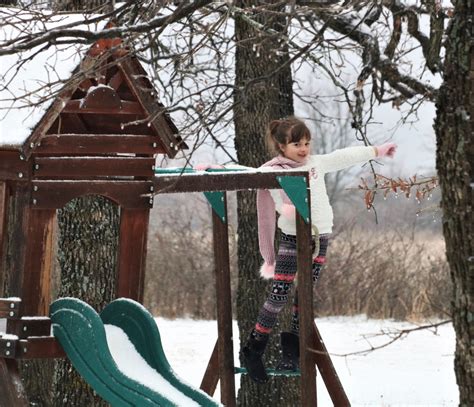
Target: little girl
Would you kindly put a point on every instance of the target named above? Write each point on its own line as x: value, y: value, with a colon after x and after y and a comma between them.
x: 290, y: 141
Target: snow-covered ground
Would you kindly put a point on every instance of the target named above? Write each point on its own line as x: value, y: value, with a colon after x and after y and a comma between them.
x: 414, y: 371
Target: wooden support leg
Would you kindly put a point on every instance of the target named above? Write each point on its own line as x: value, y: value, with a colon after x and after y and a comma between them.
x: 18, y: 235
x: 211, y: 376
x: 36, y: 287
x: 305, y: 306
x: 328, y: 372
x: 12, y: 392
x: 3, y: 231
x: 132, y: 252
x: 224, y: 308
x: 31, y: 250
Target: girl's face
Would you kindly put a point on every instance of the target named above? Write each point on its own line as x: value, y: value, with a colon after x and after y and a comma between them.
x: 297, y: 151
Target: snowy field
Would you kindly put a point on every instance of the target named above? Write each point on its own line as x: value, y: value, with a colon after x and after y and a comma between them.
x: 414, y: 371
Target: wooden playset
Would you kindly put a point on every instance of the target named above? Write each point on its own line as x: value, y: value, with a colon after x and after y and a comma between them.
x: 82, y: 147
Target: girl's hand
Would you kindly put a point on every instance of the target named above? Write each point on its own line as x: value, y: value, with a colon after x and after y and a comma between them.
x: 386, y: 150
x: 206, y: 166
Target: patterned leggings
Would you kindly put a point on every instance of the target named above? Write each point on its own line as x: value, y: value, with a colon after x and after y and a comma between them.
x: 285, y: 273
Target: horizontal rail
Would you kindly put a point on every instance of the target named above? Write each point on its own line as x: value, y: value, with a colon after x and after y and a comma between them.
x: 220, y: 181
x: 10, y: 308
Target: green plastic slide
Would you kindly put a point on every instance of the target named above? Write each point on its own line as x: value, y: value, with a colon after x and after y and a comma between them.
x: 82, y: 334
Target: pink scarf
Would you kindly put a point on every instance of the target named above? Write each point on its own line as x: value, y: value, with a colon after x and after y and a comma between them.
x: 267, y: 217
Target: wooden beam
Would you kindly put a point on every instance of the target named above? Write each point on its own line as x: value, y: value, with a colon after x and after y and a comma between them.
x: 11, y: 387
x: 12, y: 167
x: 3, y: 230
x: 327, y: 370
x: 55, y: 194
x: 127, y: 107
x: 75, y: 121
x: 305, y: 306
x: 211, y: 375
x: 29, y: 326
x: 87, y: 167
x: 220, y: 181
x: 132, y: 253
x: 10, y: 308
x: 88, y: 144
x: 40, y: 347
x: 18, y: 236
x: 8, y: 346
x: 85, y: 84
x: 225, y: 347
x: 154, y: 110
x: 48, y: 119
x: 36, y: 286
x: 116, y: 80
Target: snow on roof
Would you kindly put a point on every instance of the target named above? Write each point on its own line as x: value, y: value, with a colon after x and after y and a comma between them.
x: 29, y: 80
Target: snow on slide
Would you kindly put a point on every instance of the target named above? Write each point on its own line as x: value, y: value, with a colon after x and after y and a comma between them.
x: 131, y: 363
x: 119, y: 354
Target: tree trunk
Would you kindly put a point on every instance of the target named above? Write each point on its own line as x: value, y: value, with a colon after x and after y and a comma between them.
x: 87, y: 254
x: 261, y: 95
x: 455, y: 165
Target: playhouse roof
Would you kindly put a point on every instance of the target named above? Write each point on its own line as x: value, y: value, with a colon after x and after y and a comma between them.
x: 33, y: 83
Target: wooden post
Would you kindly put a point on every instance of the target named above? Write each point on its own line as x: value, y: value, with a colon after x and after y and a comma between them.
x: 225, y: 348
x: 211, y: 376
x: 36, y: 286
x: 132, y: 252
x: 12, y: 392
x: 305, y: 306
x: 328, y: 372
x: 3, y: 231
x: 19, y: 210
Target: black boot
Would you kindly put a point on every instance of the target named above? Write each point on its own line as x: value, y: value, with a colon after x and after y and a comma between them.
x: 290, y: 346
x: 252, y: 354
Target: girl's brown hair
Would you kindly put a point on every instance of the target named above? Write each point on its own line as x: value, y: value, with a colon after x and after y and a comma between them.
x: 285, y: 131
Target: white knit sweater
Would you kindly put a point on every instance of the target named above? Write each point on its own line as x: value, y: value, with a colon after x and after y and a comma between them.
x: 318, y: 166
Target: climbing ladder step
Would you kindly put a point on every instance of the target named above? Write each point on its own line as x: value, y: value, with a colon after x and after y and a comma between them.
x: 270, y: 372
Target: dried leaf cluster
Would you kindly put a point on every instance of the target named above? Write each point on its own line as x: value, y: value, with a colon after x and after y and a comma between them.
x: 421, y: 187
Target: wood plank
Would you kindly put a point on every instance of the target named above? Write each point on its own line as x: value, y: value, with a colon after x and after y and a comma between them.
x: 11, y: 387
x: 12, y: 167
x: 126, y: 108
x: 29, y: 326
x: 327, y: 370
x: 305, y: 306
x: 85, y: 84
x: 211, y: 375
x: 8, y: 346
x: 3, y: 230
x: 128, y: 194
x: 220, y: 181
x: 116, y: 80
x: 10, y: 308
x: 225, y: 347
x: 83, y: 167
x: 20, y: 215
x: 36, y: 287
x: 48, y: 119
x: 87, y: 144
x: 154, y: 110
x: 132, y: 253
x: 40, y: 348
